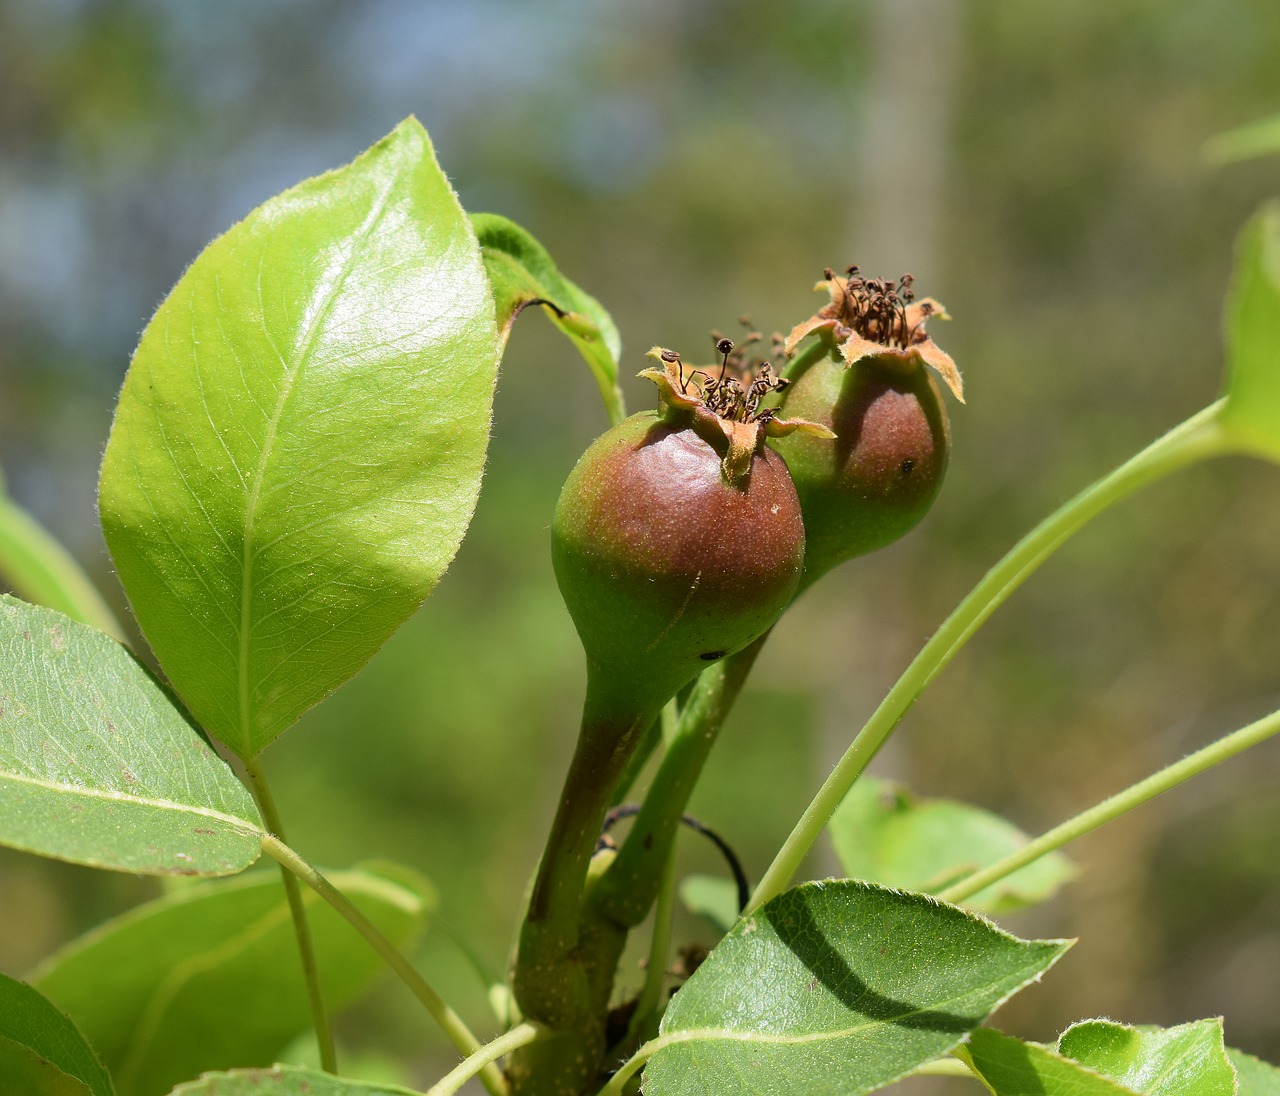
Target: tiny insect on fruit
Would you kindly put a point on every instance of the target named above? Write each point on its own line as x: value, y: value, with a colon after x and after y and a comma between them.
x: 878, y: 476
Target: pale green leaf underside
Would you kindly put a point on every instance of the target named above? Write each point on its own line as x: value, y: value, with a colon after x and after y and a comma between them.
x: 97, y: 765
x: 1252, y: 413
x: 299, y: 441
x: 209, y: 977
x: 283, y: 1081
x: 521, y: 272
x: 840, y: 988
x: 1011, y: 1067
x: 41, y: 1051
x: 884, y: 834
x: 1188, y: 1060
x: 1256, y: 1077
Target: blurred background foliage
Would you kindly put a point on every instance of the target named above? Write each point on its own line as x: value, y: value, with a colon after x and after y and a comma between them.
x: 1037, y: 167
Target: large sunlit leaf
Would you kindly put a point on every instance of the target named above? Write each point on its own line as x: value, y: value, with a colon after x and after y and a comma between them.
x: 522, y: 274
x: 298, y: 445
x: 1256, y: 1077
x: 838, y: 988
x: 1011, y: 1067
x: 97, y: 764
x: 1188, y: 1060
x: 884, y: 834
x: 283, y: 1081
x: 209, y: 977
x: 1252, y: 413
x: 41, y: 1051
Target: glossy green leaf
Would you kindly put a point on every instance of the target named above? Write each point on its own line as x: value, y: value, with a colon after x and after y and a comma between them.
x: 298, y: 445
x: 1256, y: 1077
x: 97, y: 764
x: 39, y: 569
x: 522, y: 273
x: 884, y: 834
x: 839, y: 988
x: 209, y: 977
x: 1011, y: 1067
x: 41, y: 1051
x: 1247, y: 142
x: 1252, y: 413
x: 282, y: 1081
x: 711, y: 896
x: 1188, y: 1060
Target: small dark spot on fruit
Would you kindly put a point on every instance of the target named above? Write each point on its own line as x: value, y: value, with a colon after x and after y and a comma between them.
x: 648, y: 841
x: 907, y: 465
x: 711, y: 656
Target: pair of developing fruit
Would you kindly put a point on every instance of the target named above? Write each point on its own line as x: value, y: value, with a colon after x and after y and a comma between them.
x: 681, y: 536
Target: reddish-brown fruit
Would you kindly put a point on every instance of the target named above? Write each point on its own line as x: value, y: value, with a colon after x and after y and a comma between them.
x: 880, y: 474
x: 677, y: 540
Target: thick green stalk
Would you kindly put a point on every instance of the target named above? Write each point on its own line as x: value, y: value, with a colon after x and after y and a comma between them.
x: 649, y: 1002
x: 301, y: 926
x: 628, y: 888
x: 450, y: 1022
x: 1169, y: 777
x: 42, y: 571
x: 548, y: 979
x: 1198, y: 438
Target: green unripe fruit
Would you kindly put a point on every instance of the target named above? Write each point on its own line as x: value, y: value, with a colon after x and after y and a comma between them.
x: 664, y: 563
x: 877, y: 477
x: 880, y: 474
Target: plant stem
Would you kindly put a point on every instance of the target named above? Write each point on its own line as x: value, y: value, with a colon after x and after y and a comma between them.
x: 301, y: 926
x: 1200, y: 437
x: 659, y: 946
x: 618, y: 1082
x: 41, y: 570
x: 626, y: 891
x: 1171, y: 776
x: 519, y: 1036
x: 450, y: 1022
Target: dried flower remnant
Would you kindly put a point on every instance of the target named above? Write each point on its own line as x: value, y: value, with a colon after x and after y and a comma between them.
x: 880, y: 318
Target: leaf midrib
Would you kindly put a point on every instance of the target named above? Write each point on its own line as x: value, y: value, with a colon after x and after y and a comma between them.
x: 243, y: 825
x: 292, y: 372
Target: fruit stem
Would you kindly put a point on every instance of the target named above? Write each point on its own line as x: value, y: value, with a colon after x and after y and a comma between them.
x: 1198, y: 438
x: 628, y: 888
x: 1134, y: 796
x: 547, y: 979
x: 301, y: 926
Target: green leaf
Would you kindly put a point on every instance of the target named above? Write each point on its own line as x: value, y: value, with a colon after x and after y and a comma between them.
x: 98, y: 766
x: 283, y: 1081
x: 522, y: 273
x: 839, y: 988
x: 884, y: 834
x: 1252, y: 413
x: 298, y: 445
x: 1260, y: 137
x: 1189, y: 1060
x: 37, y: 568
x: 1257, y: 1078
x: 41, y: 1051
x: 711, y: 896
x: 209, y: 978
x: 1011, y: 1067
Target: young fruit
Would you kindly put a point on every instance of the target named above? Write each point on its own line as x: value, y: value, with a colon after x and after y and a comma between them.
x: 678, y: 538
x: 879, y: 475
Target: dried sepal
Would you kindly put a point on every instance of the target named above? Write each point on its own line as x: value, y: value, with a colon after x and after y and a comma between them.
x: 726, y: 410
x: 878, y: 318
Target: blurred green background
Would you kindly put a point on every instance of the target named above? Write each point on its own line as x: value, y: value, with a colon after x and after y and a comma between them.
x: 1037, y: 167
